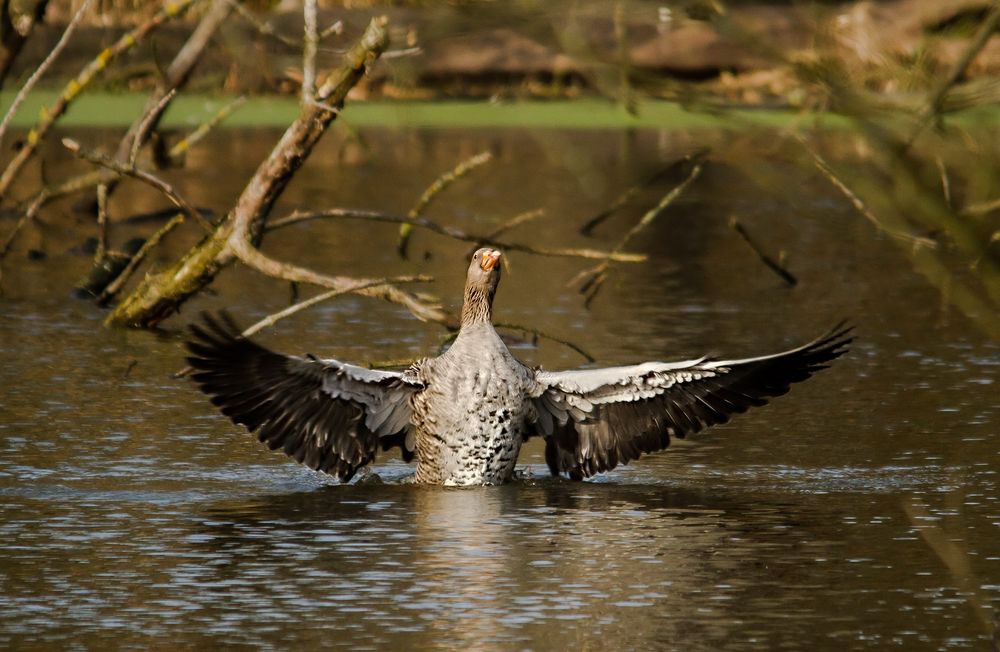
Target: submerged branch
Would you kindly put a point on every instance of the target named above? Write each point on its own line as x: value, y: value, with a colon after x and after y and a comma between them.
x: 133, y: 264
x: 593, y: 278
x: 545, y: 336
x: 771, y: 263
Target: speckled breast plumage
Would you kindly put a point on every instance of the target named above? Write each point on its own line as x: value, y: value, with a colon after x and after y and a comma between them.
x: 470, y: 419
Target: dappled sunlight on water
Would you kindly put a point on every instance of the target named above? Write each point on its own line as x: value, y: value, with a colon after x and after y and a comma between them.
x: 862, y: 511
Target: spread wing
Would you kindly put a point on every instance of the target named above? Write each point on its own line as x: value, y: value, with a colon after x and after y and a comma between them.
x: 330, y: 416
x: 595, y: 419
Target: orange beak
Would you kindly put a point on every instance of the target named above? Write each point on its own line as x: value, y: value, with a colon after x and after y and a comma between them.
x: 490, y: 260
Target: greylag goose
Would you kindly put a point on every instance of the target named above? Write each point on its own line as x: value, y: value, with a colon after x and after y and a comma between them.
x: 464, y: 414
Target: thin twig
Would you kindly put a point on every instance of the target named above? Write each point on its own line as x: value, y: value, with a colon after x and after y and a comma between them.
x: 860, y: 205
x: 336, y: 28
x: 627, y: 196
x: 771, y: 263
x: 514, y: 222
x: 133, y: 264
x: 102, y: 221
x: 403, y: 52
x: 28, y: 215
x: 935, y: 103
x: 433, y: 190
x: 309, y: 46
x: 184, y: 144
x: 546, y: 336
x: 264, y: 28
x: 274, y: 318
x: 982, y: 208
x: 451, y: 232
x: 945, y: 181
x: 139, y: 174
x: 593, y: 278
x: 42, y: 69
x: 148, y: 120
x: 75, y: 86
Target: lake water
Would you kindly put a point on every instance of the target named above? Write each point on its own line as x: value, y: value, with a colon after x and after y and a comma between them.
x: 861, y: 511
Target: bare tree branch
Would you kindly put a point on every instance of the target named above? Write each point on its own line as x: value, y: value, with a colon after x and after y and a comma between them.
x: 630, y: 193
x: 309, y: 46
x: 146, y: 124
x: 183, y: 145
x: 593, y: 278
x: 537, y: 333
x: 451, y: 232
x: 261, y: 26
x: 512, y: 223
x: 136, y: 173
x: 73, y: 89
x: 133, y: 264
x: 935, y: 103
x: 771, y: 263
x: 43, y: 68
x: 857, y: 202
x: 435, y: 189
x: 274, y: 318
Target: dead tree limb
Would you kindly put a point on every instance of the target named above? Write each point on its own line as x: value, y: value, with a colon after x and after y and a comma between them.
x: 43, y: 67
x: 435, y: 189
x: 621, y: 200
x: 104, y: 175
x: 451, y: 232
x: 176, y: 76
x: 141, y: 175
x: 73, y: 89
x: 309, y: 47
x: 263, y: 27
x: 11, y: 39
x: 545, y: 336
x: 936, y: 101
x: 769, y: 262
x: 237, y: 236
x: 512, y: 223
x: 133, y: 264
x: 274, y: 318
x: 593, y: 278
x: 180, y: 148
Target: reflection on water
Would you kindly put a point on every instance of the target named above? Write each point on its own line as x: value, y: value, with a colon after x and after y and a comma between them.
x: 860, y: 512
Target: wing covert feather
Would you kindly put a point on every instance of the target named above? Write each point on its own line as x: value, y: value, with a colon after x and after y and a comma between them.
x: 331, y: 416
x: 595, y: 419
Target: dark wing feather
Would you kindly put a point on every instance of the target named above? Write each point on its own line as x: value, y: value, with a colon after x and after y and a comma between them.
x: 330, y: 416
x: 595, y: 419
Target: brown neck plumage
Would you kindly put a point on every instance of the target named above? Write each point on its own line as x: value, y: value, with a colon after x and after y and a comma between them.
x: 478, y: 305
